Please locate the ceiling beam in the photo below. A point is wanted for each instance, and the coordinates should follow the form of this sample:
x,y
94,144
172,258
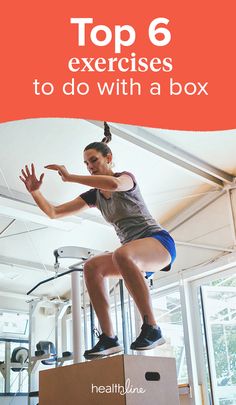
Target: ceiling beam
x,y
193,209
204,246
154,144
11,235
12,221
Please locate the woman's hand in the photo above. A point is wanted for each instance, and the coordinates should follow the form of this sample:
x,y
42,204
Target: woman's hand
x,y
62,171
30,180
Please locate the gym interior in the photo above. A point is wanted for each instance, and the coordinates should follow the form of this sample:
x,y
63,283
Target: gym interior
x,y
46,320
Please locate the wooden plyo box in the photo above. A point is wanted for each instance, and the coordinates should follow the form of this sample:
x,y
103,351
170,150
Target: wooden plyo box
x,y
117,380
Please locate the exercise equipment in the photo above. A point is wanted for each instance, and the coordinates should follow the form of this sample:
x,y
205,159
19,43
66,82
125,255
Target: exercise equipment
x,y
121,379
48,349
76,270
44,347
20,355
16,360
47,353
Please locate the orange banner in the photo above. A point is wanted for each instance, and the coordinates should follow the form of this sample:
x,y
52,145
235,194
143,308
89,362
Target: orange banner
x,y
162,64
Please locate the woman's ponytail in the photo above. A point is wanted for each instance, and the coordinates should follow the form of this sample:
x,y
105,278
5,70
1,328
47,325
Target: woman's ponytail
x,y
107,133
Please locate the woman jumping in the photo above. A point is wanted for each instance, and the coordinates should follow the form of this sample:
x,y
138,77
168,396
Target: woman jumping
x,y
145,245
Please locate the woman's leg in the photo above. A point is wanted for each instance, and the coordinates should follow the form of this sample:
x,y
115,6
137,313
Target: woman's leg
x,y
96,270
131,261
128,262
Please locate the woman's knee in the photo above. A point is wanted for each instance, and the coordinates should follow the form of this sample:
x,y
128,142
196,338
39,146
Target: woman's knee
x,y
122,258
91,270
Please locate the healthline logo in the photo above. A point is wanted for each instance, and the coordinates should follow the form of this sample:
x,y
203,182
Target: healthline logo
x,y
114,388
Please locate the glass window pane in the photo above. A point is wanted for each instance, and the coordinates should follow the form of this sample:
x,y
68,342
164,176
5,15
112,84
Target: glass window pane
x,y
219,307
168,314
169,317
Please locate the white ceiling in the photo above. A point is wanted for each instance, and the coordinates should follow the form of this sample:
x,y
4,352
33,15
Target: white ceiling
x,y
216,148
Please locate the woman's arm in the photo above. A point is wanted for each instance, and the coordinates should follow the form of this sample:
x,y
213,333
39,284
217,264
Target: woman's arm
x,y
33,184
102,182
75,206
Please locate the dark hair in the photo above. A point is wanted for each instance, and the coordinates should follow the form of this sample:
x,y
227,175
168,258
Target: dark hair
x,y
102,146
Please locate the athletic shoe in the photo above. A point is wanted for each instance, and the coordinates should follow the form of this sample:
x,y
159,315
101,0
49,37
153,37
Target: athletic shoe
x,y
104,347
149,338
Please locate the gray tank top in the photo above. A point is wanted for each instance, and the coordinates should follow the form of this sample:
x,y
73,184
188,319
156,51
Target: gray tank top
x,y
125,210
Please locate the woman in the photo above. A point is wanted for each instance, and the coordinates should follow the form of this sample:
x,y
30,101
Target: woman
x,y
145,246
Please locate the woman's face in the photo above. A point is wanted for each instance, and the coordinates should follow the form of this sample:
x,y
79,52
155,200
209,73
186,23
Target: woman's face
x,y
97,163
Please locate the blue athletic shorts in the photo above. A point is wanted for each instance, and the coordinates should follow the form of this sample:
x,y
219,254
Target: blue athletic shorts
x,y
168,242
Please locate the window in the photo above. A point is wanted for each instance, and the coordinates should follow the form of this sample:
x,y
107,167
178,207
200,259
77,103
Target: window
x,y
218,314
13,324
167,309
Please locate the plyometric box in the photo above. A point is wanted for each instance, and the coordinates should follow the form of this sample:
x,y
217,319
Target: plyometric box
x,y
117,380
